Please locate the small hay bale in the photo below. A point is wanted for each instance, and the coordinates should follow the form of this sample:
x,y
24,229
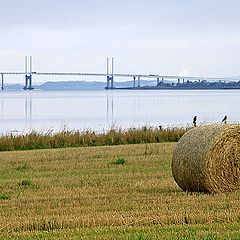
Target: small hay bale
x,y
207,159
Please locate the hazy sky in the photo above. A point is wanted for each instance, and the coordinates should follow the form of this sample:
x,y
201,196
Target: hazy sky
x,y
195,37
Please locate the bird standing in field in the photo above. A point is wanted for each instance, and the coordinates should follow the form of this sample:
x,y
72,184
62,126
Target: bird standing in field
x,y
195,121
224,119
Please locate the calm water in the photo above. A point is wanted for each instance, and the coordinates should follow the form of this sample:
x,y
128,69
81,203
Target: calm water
x,y
99,110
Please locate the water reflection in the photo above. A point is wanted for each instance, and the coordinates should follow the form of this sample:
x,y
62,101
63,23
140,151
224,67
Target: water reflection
x,y
110,110
99,110
2,108
28,110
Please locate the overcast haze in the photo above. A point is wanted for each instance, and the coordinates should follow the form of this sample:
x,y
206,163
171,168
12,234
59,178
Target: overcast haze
x,y
190,37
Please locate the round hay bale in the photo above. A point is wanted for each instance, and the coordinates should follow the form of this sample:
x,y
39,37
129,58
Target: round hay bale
x,y
207,159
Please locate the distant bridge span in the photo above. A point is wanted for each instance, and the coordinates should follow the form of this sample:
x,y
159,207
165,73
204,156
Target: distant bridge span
x,y
122,75
110,76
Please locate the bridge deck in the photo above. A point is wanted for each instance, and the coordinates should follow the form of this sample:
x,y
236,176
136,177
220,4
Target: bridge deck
x,y
150,76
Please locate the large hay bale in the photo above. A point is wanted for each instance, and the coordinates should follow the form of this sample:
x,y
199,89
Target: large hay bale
x,y
207,159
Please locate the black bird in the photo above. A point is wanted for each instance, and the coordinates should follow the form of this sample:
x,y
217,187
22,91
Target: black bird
x,y
195,121
225,119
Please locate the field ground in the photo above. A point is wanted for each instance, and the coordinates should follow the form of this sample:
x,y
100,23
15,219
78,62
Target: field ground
x,y
110,192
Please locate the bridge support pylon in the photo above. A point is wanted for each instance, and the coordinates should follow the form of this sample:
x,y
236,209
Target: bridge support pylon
x,y
28,75
110,84
2,86
139,85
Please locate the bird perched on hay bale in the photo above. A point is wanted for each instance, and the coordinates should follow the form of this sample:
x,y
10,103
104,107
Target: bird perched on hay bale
x,y
207,159
225,119
195,121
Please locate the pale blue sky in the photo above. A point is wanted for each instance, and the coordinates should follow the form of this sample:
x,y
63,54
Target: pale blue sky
x,y
195,37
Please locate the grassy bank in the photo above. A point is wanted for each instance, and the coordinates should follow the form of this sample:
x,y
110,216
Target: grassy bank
x,y
109,192
35,140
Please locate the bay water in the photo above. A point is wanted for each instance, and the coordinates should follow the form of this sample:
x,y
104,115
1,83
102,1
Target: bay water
x,y
43,111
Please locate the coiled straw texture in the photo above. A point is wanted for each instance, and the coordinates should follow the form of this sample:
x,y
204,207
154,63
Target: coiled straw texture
x,y
207,159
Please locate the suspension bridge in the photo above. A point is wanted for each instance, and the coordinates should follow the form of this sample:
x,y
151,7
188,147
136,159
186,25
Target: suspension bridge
x,y
109,75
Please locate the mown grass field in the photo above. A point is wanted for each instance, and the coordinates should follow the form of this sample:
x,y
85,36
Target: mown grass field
x,y
107,192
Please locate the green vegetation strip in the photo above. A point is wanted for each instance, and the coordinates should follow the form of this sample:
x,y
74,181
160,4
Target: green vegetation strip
x,y
36,140
108,192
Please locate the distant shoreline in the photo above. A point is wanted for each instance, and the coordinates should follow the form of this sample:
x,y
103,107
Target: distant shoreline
x,y
127,85
156,88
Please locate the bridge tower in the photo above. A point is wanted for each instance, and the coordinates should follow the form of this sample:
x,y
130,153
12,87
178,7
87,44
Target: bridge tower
x,y
139,82
2,86
28,75
134,81
110,75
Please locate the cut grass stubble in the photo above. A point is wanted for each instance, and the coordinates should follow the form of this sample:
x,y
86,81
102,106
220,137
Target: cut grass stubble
x,y
82,193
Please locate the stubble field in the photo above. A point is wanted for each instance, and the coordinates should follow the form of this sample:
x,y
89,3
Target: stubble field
x,y
109,192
